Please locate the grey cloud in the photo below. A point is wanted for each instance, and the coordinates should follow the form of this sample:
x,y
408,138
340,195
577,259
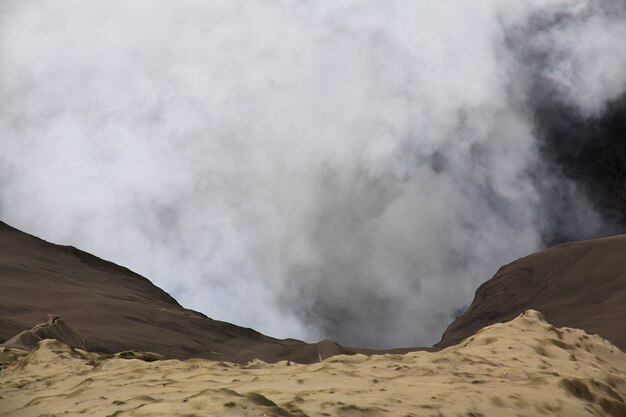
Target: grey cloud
x,y
349,170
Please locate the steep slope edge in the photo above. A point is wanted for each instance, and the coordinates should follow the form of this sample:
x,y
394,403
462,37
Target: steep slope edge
x,y
116,309
580,284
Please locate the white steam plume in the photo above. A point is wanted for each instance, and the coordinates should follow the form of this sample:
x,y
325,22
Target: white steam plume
x,y
345,169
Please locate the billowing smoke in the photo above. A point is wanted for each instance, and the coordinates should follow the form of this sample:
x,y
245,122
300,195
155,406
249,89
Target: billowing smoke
x,y
349,169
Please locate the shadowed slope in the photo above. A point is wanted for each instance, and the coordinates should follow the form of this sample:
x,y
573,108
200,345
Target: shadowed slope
x,y
580,284
116,309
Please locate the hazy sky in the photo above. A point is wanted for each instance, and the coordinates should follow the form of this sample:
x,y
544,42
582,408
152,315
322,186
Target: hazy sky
x,y
313,169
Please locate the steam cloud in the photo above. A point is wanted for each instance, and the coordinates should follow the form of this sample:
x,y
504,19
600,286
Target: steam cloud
x,y
349,170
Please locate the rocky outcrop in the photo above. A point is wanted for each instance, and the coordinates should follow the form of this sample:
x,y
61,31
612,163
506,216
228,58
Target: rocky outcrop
x,y
53,328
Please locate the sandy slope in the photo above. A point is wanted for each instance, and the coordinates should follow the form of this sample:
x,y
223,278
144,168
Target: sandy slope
x,y
116,309
522,368
578,284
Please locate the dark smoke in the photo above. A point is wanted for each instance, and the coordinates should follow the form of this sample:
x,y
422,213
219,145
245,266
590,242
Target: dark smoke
x,y
581,140
591,152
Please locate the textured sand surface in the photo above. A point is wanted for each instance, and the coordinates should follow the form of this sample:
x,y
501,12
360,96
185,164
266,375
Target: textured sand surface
x,y
522,368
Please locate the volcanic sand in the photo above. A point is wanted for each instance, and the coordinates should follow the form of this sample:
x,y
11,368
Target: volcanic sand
x,y
525,367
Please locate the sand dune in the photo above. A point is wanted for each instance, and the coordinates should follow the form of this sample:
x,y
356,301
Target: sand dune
x,y
525,367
